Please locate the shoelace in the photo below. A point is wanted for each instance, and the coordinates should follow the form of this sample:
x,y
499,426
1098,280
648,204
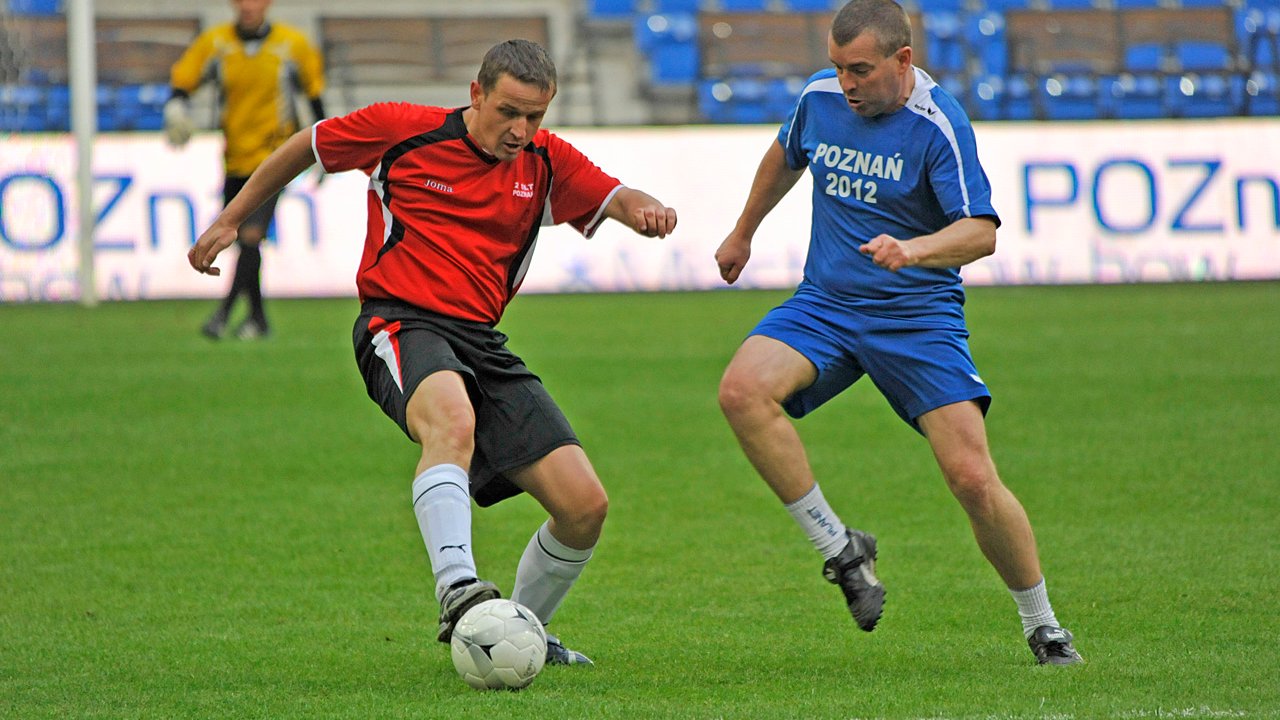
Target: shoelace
x,y
1058,649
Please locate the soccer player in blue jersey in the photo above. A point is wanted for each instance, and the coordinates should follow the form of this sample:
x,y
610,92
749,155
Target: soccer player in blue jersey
x,y
900,203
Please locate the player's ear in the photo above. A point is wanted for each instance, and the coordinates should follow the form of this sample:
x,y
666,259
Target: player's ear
x,y
477,94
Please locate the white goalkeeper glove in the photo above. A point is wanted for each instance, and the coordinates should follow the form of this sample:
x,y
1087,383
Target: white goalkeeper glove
x,y
178,126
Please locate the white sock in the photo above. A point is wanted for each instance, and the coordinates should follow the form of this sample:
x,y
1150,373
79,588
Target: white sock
x,y
546,571
1034,608
443,507
820,523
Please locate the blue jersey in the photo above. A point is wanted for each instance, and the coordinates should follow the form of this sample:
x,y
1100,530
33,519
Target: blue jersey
x,y
907,173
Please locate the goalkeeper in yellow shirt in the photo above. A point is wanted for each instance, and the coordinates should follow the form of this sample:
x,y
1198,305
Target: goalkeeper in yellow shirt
x,y
260,68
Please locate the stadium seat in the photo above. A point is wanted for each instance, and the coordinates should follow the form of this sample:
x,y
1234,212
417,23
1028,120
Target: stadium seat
x,y
58,112
944,42
942,6
744,5
35,7
1070,97
1145,58
1262,94
738,100
1258,32
985,36
997,97
808,5
611,9
1072,4
677,6
1193,95
670,43
781,97
1001,6
23,108
1133,96
1203,56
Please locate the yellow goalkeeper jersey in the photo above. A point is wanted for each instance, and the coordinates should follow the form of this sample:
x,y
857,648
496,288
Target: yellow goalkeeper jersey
x,y
258,80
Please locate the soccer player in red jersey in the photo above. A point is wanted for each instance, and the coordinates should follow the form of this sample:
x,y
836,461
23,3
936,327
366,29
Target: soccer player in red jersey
x,y
455,200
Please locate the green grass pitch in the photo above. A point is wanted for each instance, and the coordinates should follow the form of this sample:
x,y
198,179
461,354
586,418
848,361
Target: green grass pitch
x,y
201,530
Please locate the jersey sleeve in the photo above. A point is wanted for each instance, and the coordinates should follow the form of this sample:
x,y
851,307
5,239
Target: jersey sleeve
x,y
357,140
188,72
957,178
579,189
310,67
791,135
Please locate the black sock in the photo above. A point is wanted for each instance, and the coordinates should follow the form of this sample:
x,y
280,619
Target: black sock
x,y
248,279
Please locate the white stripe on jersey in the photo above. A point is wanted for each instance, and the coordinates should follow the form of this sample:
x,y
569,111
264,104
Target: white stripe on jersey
x,y
828,85
921,103
380,189
385,349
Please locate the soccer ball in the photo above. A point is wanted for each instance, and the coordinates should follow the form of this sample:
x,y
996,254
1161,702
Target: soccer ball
x,y
499,644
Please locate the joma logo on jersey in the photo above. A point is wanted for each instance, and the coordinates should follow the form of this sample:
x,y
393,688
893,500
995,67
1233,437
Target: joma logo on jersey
x,y
522,190
437,185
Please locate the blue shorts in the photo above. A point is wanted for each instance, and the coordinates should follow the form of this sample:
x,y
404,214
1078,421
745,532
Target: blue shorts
x,y
918,363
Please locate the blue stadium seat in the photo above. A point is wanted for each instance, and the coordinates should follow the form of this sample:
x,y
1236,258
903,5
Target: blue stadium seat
x,y
58,113
677,6
670,43
1003,5
1145,58
996,97
611,9
782,96
1072,4
123,108
1071,97
942,6
35,7
111,117
152,98
985,36
1134,96
744,5
944,42
1262,94
808,5
1206,95
736,100
23,108
1202,56
1131,4
1258,32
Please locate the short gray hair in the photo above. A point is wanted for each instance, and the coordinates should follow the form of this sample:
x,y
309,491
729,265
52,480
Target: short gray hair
x,y
883,18
524,60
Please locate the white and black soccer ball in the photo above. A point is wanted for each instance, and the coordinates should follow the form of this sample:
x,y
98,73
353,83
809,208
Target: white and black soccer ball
x,y
499,644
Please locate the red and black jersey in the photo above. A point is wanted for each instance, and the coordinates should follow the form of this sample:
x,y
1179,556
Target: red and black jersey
x,y
451,228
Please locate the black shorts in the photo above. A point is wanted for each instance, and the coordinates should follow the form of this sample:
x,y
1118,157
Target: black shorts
x,y
398,345
258,218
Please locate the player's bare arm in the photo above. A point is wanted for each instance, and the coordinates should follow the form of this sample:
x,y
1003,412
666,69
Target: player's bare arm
x,y
282,166
772,182
641,212
958,244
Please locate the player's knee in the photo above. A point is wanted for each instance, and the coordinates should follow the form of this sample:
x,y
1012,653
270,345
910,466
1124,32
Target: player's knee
x,y
738,396
973,484
594,508
583,518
